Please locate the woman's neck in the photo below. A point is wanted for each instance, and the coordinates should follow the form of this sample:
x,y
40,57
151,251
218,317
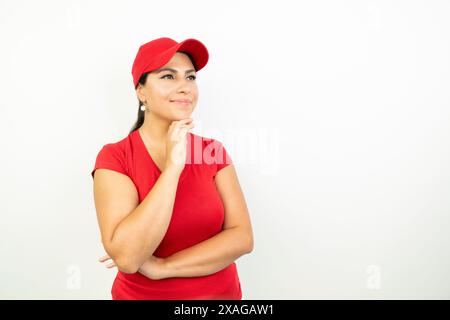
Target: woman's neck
x,y
154,129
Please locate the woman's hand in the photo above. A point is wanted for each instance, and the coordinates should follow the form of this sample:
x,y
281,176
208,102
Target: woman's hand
x,y
110,265
153,267
176,143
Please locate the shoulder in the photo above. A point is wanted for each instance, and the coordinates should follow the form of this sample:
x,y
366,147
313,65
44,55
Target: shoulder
x,y
113,156
116,148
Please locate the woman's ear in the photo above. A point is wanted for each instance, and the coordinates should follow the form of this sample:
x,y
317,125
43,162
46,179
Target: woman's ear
x,y
139,93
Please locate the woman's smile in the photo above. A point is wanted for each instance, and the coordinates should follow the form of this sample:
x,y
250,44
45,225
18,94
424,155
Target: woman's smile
x,y
183,103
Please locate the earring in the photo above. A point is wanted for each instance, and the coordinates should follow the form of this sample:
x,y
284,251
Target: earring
x,y
143,107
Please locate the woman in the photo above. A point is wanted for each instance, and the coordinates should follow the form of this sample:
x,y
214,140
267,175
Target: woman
x,y
172,215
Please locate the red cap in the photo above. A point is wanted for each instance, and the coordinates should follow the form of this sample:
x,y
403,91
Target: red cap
x,y
156,53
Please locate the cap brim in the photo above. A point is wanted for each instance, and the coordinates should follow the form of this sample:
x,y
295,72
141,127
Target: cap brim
x,y
197,50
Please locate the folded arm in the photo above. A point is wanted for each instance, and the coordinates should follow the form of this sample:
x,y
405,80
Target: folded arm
x,y
207,257
218,252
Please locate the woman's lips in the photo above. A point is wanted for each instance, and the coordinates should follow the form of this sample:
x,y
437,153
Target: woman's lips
x,y
183,103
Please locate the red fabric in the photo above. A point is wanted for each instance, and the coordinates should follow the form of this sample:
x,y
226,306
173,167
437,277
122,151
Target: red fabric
x,y
198,214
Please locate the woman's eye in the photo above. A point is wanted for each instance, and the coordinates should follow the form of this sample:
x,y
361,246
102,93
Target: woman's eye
x,y
169,75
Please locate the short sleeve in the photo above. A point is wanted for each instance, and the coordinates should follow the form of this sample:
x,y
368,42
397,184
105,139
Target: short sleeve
x,y
110,157
222,157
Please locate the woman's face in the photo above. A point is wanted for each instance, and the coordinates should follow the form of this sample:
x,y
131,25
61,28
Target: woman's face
x,y
164,86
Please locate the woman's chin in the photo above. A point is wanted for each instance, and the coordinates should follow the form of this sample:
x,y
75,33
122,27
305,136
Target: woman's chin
x,y
182,114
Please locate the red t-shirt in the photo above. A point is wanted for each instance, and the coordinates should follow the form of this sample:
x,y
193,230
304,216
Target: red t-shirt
x,y
198,214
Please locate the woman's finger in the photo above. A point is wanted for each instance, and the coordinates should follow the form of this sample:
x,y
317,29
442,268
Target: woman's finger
x,y
110,265
181,122
104,258
184,128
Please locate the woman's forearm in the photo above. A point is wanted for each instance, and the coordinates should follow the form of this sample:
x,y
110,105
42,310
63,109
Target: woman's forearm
x,y
209,256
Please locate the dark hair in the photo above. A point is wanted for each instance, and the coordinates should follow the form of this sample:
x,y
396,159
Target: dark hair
x,y
141,114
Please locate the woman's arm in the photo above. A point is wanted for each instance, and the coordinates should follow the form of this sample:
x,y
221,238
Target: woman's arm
x,y
207,257
202,259
218,252
131,232
129,235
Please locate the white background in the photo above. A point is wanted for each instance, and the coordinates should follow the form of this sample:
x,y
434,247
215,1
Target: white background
x,y
336,114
